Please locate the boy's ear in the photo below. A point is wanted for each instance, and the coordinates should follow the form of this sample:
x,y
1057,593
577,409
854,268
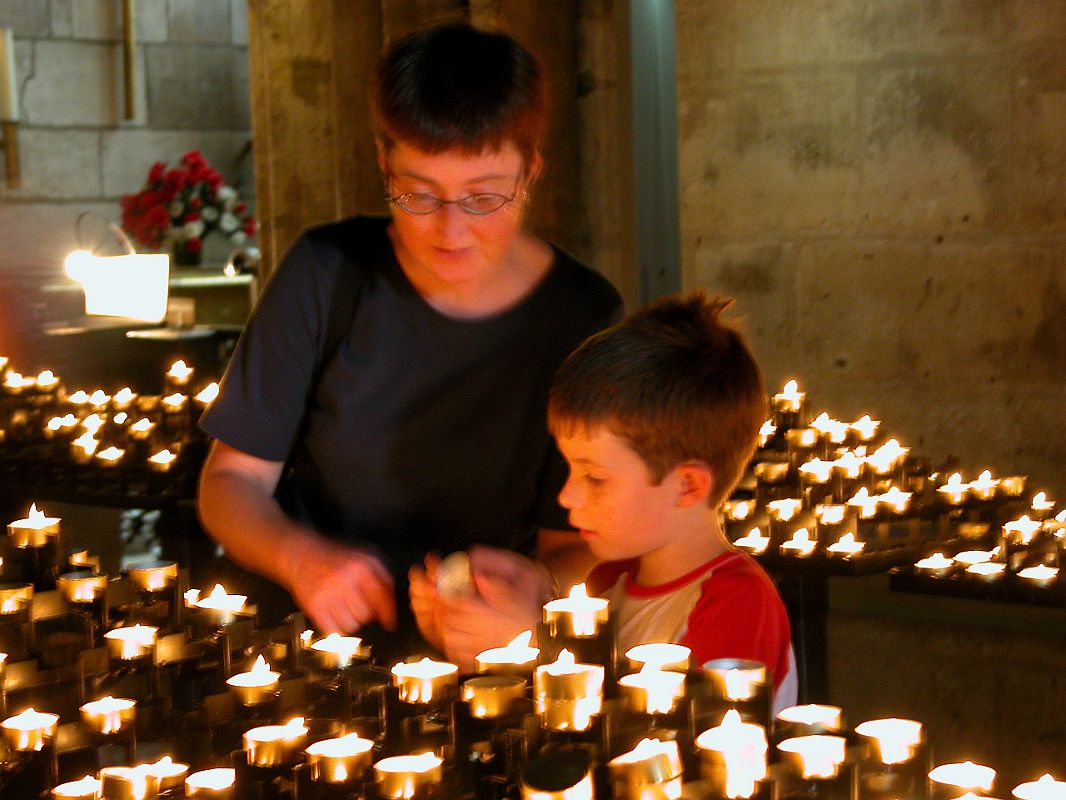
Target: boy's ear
x,y
695,481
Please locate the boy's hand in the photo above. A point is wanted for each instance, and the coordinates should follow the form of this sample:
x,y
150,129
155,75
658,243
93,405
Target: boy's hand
x,y
425,603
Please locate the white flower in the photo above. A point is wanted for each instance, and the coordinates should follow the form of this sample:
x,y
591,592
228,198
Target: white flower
x,y
228,223
193,229
209,214
176,209
238,238
227,195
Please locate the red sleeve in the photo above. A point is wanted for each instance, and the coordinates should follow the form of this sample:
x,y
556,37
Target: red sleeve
x,y
740,615
605,575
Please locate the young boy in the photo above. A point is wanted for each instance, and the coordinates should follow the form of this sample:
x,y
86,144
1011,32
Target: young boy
x,y
657,418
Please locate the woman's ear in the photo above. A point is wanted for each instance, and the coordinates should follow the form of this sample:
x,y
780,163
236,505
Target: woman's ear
x,y
536,164
695,481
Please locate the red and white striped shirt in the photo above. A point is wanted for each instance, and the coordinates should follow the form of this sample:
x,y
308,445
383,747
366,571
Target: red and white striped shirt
x,y
726,608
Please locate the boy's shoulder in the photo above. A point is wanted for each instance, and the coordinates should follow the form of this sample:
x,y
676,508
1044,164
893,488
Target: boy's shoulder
x,y
606,574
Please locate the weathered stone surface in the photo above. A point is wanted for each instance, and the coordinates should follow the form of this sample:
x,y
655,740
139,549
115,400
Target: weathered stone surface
x,y
770,152
127,155
63,164
74,83
28,18
200,22
197,86
39,235
62,15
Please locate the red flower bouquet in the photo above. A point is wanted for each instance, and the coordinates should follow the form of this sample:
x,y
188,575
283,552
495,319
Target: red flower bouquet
x,y
178,207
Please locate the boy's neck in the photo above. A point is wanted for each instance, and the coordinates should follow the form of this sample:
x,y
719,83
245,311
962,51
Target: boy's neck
x,y
694,545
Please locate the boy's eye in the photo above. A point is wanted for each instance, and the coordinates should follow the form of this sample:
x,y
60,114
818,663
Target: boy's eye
x,y
593,479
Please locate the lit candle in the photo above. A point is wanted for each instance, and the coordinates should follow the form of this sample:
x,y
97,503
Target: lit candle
x,y
817,756
175,403
30,730
179,373
801,543
754,541
850,465
99,399
984,487
737,510
88,788
425,680
141,429
568,694
492,696
577,615
517,658
767,430
110,456
660,655
846,546
808,719
736,678
81,587
886,457
896,499
338,652
652,690
966,776
211,784
734,754
123,398
256,686
46,381
801,438
816,470
1021,531
937,565
109,714
832,429
168,773
771,472
128,783
784,510
986,570
162,461
80,558
970,557
339,760
650,771
275,745
955,491
15,597
224,607
1013,485
133,642
1041,506
790,398
64,424
1044,788
155,576
403,776
207,395
1040,575
865,427
34,530
864,502
82,448
14,382
895,739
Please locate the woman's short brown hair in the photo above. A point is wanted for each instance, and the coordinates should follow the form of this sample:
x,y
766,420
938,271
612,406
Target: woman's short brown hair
x,y
673,380
456,86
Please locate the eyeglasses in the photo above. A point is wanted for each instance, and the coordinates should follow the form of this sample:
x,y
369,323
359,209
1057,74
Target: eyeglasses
x,y
478,204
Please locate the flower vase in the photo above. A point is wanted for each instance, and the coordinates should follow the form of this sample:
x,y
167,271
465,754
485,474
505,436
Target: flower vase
x,y
182,257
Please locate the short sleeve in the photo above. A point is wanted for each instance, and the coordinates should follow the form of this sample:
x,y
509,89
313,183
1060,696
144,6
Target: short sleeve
x,y
264,393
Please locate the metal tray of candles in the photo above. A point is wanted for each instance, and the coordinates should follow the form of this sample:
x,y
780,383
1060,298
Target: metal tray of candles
x,y
1006,588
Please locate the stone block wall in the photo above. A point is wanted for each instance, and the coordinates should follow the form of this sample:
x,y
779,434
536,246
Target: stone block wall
x,y
77,151
882,187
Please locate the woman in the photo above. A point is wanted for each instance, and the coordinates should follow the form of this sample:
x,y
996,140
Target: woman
x,y
423,429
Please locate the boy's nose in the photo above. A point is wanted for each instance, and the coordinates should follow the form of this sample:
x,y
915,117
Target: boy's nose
x,y
567,495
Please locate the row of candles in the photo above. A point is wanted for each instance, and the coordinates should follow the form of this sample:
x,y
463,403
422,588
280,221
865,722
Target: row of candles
x,y
825,488
102,429
570,696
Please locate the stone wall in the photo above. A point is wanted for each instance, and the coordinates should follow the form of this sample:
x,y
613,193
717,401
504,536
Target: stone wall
x,y
882,187
77,151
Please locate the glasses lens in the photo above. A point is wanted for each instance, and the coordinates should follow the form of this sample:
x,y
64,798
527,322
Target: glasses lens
x,y
484,203
419,203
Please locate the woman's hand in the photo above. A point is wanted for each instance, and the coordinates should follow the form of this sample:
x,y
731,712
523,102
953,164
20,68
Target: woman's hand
x,y
341,588
425,601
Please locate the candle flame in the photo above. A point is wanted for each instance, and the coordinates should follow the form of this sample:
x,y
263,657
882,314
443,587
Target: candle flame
x,y
164,456
743,746
207,394
784,510
214,779
143,425
820,756
966,775
110,454
174,401
753,541
812,714
179,370
896,738
1044,788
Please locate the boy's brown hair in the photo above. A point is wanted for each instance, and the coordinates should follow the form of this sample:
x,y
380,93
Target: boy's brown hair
x,y
673,380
